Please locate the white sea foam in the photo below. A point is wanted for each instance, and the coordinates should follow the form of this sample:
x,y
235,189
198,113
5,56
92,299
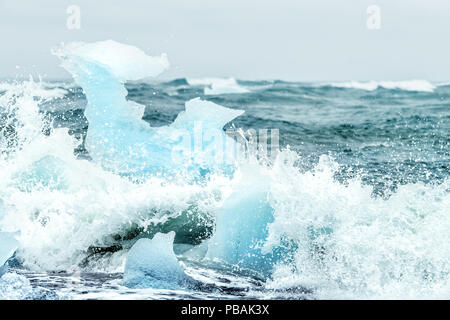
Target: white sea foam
x,y
15,287
113,55
408,85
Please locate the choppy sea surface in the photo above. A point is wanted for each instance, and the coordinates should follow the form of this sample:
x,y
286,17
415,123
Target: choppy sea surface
x,y
360,190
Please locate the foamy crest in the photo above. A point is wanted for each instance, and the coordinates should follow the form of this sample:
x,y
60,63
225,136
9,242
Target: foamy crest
x,y
409,85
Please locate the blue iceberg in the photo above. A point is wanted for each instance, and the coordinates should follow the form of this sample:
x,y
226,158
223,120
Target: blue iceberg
x,y
119,139
151,263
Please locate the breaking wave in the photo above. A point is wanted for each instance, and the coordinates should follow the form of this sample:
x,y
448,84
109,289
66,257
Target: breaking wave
x,y
408,85
295,228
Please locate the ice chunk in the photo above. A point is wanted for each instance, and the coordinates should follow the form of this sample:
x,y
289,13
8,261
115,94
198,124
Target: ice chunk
x,y
8,245
242,225
15,287
151,263
117,137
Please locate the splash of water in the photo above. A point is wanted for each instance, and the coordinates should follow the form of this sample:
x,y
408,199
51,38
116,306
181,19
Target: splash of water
x,y
312,231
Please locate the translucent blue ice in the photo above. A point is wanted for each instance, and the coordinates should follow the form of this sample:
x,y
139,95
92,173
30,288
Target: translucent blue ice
x,y
8,245
118,138
242,226
194,144
151,263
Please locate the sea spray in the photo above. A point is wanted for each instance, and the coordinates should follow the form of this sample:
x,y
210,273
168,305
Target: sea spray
x,y
118,138
343,240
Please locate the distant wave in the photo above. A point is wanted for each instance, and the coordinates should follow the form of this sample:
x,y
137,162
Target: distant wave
x,y
218,85
408,85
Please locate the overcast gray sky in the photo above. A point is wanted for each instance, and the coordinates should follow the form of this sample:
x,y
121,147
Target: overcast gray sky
x,y
248,39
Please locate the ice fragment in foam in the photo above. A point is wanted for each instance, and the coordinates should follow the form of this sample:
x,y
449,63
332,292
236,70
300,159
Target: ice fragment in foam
x,y
152,263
